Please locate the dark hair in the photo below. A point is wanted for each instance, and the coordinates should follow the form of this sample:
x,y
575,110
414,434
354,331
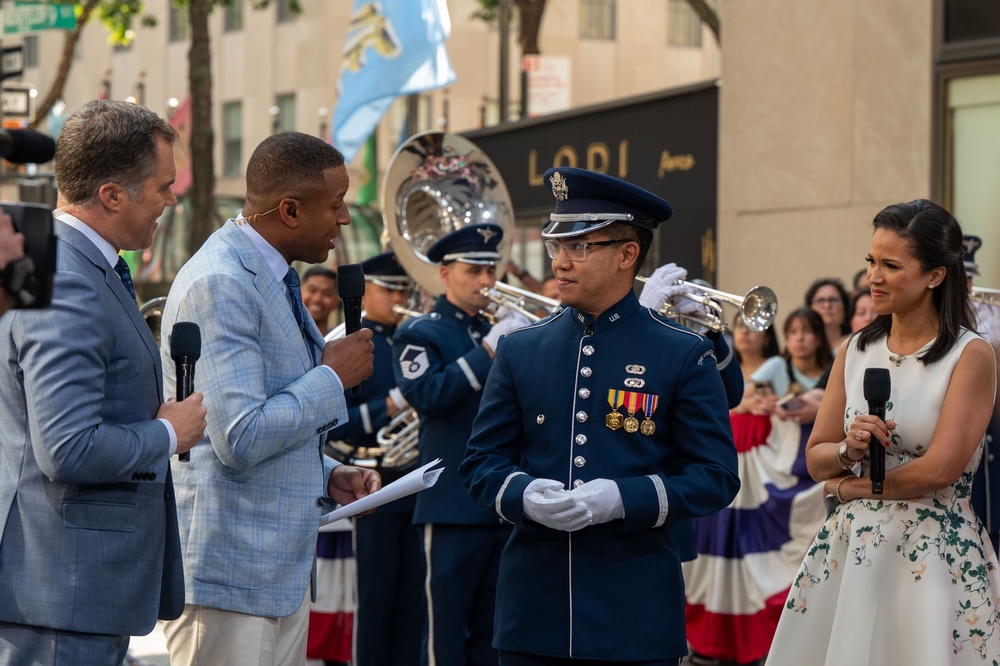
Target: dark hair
x,y
629,232
815,322
855,297
935,239
771,347
857,276
320,271
845,325
108,141
288,164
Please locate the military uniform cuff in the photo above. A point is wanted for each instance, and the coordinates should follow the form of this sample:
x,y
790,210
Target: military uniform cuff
x,y
645,501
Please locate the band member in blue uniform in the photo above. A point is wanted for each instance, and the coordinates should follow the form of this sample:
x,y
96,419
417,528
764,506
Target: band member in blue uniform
x,y
386,544
442,360
600,428
986,486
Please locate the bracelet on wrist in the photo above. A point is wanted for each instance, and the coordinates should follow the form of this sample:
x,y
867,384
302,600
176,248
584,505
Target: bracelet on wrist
x,y
836,490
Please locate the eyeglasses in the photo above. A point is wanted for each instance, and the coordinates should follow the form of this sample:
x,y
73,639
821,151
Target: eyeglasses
x,y
826,301
575,251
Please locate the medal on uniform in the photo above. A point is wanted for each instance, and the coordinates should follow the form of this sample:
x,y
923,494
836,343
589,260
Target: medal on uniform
x,y
649,403
631,405
614,419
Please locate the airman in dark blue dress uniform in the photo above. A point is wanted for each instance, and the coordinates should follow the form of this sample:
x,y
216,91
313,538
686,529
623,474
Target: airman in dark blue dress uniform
x,y
986,485
600,428
386,544
441,366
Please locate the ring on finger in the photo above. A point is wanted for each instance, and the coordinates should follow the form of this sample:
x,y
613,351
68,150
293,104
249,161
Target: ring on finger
x,y
858,436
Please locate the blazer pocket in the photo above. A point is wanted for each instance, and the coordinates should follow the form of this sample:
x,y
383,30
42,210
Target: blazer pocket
x,y
234,534
99,516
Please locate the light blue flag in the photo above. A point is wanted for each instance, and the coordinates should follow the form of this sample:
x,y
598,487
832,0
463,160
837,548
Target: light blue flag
x,y
394,47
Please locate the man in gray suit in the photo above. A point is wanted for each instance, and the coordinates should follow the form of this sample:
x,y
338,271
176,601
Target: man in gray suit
x,y
89,549
250,499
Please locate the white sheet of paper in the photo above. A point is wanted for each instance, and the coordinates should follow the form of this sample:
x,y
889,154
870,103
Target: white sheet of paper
x,y
419,479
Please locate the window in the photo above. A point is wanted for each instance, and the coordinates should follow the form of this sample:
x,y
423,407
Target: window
x,y
683,25
31,51
284,120
967,21
232,138
232,18
180,24
285,13
597,19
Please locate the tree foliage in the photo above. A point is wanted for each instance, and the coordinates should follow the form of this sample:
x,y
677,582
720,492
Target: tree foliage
x,y
530,13
118,18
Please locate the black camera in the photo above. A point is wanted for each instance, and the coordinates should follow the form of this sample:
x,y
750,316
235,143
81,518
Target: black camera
x,y
29,279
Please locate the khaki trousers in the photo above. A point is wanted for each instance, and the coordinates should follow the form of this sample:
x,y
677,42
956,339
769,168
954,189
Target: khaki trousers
x,y
204,636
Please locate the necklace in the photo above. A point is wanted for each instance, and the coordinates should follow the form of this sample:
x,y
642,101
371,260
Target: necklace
x,y
897,359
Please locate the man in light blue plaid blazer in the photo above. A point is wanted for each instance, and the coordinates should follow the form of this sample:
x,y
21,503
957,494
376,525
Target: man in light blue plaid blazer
x,y
250,498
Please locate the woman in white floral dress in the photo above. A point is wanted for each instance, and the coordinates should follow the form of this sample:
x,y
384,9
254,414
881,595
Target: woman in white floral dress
x,y
905,577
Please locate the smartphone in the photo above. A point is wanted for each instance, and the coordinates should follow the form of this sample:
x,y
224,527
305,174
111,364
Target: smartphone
x,y
790,403
764,389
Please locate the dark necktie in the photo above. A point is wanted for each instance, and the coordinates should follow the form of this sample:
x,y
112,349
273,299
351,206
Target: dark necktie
x,y
126,275
292,282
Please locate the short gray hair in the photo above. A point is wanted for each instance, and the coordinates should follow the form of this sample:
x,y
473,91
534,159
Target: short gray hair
x,y
108,141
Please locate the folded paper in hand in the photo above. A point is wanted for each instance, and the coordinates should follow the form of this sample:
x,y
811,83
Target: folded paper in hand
x,y
419,479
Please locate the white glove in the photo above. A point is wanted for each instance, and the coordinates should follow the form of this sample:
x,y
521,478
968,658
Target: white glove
x,y
660,287
603,499
513,321
545,502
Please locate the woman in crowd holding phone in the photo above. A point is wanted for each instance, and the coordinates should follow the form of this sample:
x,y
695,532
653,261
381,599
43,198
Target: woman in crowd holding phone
x,y
748,552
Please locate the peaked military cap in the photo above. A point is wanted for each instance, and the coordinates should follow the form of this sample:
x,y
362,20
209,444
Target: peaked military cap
x,y
587,201
472,244
970,244
386,271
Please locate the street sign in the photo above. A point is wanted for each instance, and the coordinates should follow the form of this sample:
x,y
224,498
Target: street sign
x,y
14,103
11,62
36,17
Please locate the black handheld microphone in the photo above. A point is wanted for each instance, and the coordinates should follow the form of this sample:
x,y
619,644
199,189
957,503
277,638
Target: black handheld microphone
x,y
351,287
26,146
877,383
185,348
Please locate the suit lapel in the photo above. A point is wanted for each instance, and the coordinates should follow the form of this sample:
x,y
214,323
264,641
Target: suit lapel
x,y
85,247
272,293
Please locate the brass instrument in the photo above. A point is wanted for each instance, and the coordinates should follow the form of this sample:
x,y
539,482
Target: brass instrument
x,y
403,311
436,183
152,314
520,300
986,296
758,307
397,445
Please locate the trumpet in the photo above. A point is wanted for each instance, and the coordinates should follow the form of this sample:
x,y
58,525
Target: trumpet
x,y
986,296
758,307
520,300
